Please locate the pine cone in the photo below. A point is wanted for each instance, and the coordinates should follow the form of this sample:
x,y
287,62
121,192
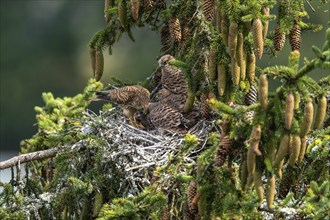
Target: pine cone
x,y
306,125
249,116
107,4
232,39
224,28
187,215
297,189
184,33
135,7
175,29
251,67
148,5
122,14
99,65
285,184
265,11
235,72
243,173
221,70
191,193
223,151
165,37
205,109
218,17
289,111
279,38
92,54
212,63
263,91
270,191
252,96
320,112
208,9
241,55
165,215
294,150
258,40
295,37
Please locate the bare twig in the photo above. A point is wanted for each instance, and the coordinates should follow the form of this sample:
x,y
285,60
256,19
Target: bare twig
x,y
38,155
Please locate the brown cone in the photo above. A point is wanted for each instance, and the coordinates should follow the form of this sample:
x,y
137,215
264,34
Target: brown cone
x,y
265,11
279,38
148,5
295,37
92,54
122,14
107,4
165,37
224,28
212,63
175,29
285,184
191,194
252,96
258,41
205,109
223,151
135,7
208,9
251,67
99,65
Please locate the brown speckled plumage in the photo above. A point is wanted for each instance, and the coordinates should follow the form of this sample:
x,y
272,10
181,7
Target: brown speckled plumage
x,y
165,118
175,101
130,98
172,77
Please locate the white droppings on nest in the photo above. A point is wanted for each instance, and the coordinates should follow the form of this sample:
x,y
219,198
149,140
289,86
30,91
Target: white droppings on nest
x,y
135,153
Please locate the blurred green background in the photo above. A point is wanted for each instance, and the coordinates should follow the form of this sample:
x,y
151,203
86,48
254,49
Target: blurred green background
x,y
44,48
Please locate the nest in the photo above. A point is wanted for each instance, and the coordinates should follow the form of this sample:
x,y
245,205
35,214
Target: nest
x,y
136,152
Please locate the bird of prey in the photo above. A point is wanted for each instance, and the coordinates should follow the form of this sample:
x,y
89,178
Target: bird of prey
x,y
172,77
175,101
130,98
165,118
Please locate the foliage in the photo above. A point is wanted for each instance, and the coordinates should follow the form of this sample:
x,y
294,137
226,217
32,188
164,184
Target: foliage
x,y
58,118
111,170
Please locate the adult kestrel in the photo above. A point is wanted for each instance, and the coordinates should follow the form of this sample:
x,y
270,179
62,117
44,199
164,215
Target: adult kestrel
x,y
130,98
172,77
165,118
175,101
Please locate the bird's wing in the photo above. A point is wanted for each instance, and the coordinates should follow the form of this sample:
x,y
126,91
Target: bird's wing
x,y
163,116
125,95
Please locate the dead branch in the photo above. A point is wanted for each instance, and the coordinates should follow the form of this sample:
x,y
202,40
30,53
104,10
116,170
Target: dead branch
x,y
38,155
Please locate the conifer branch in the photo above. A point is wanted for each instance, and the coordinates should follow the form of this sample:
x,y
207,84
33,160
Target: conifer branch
x,y
306,69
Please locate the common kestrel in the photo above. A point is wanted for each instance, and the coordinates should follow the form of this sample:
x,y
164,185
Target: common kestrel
x,y
172,77
165,118
175,101
130,98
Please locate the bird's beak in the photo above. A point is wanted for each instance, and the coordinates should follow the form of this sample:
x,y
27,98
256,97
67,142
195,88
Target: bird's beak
x,y
160,63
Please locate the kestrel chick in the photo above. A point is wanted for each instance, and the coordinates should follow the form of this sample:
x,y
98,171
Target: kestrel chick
x,y
175,101
165,118
130,98
172,77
